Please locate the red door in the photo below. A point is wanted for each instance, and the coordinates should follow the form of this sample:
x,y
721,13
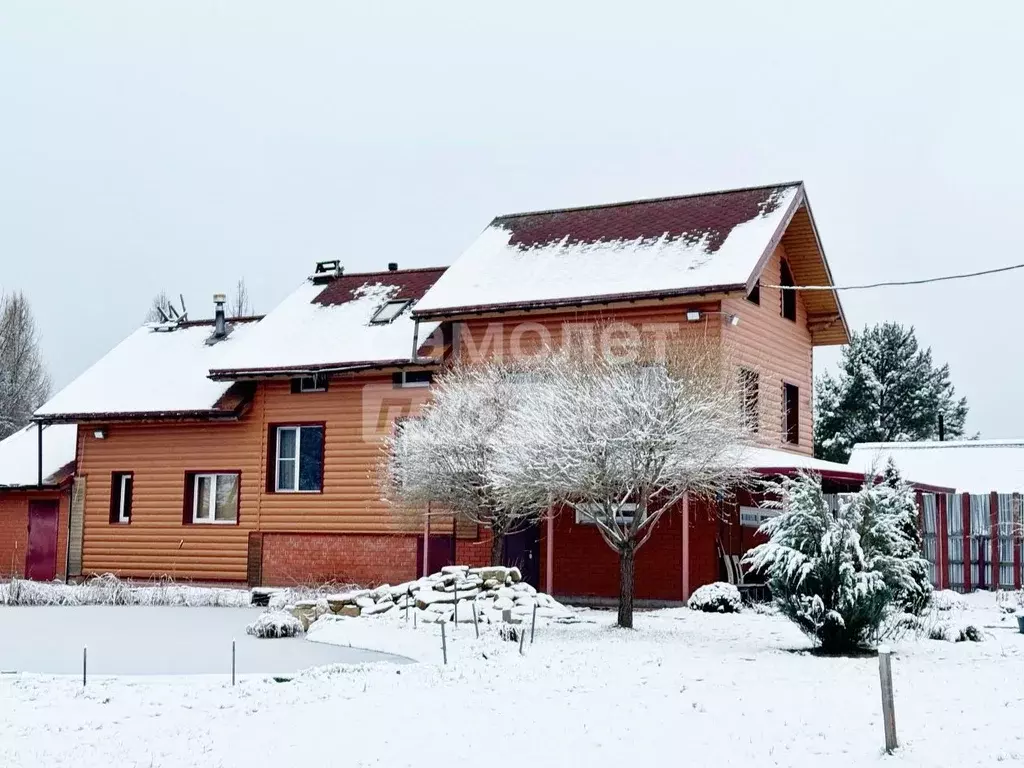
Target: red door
x,y
41,557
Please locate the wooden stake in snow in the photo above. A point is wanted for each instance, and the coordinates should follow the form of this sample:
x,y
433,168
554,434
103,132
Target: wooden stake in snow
x,y
85,660
476,626
232,661
533,623
888,707
522,637
408,599
455,626
444,643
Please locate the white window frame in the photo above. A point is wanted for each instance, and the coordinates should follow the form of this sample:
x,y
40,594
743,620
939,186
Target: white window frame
x,y
121,516
405,383
298,454
383,317
628,508
319,382
212,520
753,517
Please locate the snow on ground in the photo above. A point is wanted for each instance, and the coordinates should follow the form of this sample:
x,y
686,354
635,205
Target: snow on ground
x,y
696,688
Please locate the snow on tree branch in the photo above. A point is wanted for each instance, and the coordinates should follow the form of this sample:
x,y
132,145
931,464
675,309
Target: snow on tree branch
x,y
24,382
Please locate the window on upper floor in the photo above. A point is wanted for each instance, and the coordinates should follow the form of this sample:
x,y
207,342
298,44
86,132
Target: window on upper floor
x,y
298,458
408,379
788,296
121,497
754,297
791,414
750,382
315,382
211,498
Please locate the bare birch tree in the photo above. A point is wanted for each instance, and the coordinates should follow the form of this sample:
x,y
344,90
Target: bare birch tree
x,y
24,382
158,312
442,458
240,305
620,442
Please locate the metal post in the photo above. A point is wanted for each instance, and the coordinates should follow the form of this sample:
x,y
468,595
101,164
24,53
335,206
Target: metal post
x,y
888,708
408,599
85,662
455,586
232,661
444,644
39,450
522,638
476,626
533,622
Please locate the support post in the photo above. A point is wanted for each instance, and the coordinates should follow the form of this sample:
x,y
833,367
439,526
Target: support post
x,y
455,587
1016,541
232,662
686,547
965,517
888,707
426,543
993,523
85,662
444,643
476,626
39,457
533,623
549,554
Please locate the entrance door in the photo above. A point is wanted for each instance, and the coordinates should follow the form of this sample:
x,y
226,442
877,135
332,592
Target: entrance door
x,y
41,557
522,549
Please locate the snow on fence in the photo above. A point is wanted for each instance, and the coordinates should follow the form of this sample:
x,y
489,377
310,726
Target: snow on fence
x,y
972,541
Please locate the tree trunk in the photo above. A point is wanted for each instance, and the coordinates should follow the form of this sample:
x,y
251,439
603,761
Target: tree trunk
x,y
627,561
497,547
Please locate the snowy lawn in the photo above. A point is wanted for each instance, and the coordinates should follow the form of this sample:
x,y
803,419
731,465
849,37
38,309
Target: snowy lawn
x,y
684,687
150,640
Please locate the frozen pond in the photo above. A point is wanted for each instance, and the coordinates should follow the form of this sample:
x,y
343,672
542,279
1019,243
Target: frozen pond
x,y
144,640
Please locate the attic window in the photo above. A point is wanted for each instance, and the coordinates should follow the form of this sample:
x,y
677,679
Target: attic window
x,y
788,296
406,379
316,382
389,311
754,297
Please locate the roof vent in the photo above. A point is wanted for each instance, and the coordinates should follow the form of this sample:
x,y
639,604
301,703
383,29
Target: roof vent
x,y
325,270
392,266
220,326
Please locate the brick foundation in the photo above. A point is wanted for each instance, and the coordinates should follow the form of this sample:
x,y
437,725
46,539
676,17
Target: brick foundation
x,y
316,558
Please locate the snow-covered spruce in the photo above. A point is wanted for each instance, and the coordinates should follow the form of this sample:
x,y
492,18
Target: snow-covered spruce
x,y
441,597
843,576
718,597
275,624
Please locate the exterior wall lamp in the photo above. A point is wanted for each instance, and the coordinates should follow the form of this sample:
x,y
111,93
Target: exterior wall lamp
x,y
695,315
100,433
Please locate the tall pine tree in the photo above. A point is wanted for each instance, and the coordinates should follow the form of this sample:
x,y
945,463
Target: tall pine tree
x,y
887,390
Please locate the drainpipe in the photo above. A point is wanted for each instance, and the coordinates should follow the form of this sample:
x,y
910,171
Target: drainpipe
x,y
416,341
39,446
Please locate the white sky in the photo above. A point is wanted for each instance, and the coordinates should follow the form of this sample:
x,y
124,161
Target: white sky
x,y
181,145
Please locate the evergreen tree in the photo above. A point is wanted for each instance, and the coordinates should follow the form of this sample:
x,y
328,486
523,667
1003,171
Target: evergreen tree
x,y
887,390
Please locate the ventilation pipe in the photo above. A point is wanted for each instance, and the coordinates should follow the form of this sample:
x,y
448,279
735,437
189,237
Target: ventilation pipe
x,y
220,328
392,266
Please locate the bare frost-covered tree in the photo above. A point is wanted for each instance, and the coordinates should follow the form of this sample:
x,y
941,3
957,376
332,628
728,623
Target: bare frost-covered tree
x,y
620,442
240,305
158,308
24,382
442,459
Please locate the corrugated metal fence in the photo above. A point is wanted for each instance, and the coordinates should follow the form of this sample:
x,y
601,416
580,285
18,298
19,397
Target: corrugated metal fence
x,y
972,541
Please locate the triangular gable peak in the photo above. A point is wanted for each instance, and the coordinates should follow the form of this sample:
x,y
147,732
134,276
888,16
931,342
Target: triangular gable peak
x,y
709,243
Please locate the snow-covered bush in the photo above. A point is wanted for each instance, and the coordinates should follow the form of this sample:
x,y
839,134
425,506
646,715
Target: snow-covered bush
x,y
841,576
718,597
110,590
274,624
948,600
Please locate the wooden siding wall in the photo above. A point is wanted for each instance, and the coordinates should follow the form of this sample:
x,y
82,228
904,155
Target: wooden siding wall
x,y
779,350
14,528
355,412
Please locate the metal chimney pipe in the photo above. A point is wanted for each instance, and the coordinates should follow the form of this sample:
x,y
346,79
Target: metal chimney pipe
x,y
392,266
220,328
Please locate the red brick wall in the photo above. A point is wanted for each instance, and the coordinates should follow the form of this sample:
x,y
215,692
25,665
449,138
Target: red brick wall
x,y
14,529
315,558
475,553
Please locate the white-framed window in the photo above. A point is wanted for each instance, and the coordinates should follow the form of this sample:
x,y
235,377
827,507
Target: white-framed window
x,y
316,382
753,517
389,311
215,497
121,497
412,379
299,459
586,512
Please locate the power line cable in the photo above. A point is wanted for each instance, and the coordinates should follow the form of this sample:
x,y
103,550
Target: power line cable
x,y
893,283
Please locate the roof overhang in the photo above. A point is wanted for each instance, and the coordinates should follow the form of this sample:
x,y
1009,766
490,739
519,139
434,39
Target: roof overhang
x,y
843,477
244,374
141,416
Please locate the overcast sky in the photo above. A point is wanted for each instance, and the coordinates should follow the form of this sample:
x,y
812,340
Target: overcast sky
x,y
179,146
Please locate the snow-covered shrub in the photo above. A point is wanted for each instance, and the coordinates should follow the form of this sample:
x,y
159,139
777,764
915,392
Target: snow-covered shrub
x,y
718,597
274,624
948,600
970,633
1008,601
841,576
107,589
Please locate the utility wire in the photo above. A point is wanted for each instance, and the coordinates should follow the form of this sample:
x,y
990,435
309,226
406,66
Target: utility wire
x,y
893,283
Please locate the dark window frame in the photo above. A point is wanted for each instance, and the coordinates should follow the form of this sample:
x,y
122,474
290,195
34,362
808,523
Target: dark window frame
x,y
117,507
790,413
380,317
189,498
313,382
412,379
788,296
273,447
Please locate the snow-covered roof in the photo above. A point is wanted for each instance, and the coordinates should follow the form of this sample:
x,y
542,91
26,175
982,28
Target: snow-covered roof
x,y
152,372
19,455
329,325
664,247
972,466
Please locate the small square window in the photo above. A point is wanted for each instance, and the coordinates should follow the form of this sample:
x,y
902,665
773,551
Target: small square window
x,y
299,459
316,382
389,311
121,497
214,497
412,378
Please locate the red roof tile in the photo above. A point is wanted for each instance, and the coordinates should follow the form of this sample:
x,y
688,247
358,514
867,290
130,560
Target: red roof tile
x,y
411,284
